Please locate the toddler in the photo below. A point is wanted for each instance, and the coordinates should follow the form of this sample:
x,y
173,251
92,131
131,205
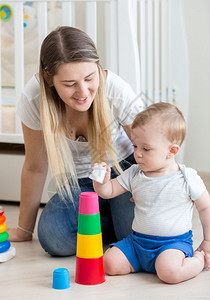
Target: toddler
x,y
164,193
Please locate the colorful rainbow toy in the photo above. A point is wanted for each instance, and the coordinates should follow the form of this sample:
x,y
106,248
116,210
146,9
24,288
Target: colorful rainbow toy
x,y
5,12
89,255
6,251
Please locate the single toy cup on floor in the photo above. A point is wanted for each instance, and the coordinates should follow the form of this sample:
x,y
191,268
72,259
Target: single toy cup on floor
x,y
6,251
89,256
61,279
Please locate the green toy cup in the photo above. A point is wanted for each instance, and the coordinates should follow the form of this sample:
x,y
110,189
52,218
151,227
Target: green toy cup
x,y
89,224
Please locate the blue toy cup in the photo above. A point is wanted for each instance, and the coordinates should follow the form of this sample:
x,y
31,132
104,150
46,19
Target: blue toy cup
x,y
61,279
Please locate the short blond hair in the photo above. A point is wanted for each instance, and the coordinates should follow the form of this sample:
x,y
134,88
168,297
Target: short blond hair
x,y
171,118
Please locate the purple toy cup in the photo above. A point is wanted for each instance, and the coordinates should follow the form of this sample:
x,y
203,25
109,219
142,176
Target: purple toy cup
x,y
88,203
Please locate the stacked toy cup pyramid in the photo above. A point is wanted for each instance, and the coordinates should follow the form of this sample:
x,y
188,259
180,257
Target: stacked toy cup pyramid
x,y
6,251
89,255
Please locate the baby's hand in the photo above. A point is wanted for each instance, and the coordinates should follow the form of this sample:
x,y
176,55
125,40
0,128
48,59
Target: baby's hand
x,y
100,173
205,247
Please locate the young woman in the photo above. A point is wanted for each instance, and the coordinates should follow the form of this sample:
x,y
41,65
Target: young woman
x,y
73,114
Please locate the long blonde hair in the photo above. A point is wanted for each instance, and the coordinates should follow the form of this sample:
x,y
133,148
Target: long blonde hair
x,y
63,45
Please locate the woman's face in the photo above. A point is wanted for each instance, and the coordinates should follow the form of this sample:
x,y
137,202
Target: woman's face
x,y
77,83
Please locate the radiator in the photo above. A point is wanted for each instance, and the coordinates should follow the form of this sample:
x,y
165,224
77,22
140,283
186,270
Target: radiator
x,y
163,51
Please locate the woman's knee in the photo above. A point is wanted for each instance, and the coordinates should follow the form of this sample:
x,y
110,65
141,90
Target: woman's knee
x,y
56,243
57,228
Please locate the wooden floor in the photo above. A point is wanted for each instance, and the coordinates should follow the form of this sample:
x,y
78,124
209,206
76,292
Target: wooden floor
x,y
29,276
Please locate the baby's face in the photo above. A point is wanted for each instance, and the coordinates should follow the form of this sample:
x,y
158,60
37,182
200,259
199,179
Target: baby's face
x,y
151,147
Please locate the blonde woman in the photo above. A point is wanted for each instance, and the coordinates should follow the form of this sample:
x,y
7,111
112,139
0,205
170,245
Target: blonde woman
x,y
73,114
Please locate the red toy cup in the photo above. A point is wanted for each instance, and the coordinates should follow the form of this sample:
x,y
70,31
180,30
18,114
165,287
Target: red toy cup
x,y
89,271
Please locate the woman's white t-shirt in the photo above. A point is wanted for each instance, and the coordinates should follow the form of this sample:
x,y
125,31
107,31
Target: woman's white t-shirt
x,y
124,106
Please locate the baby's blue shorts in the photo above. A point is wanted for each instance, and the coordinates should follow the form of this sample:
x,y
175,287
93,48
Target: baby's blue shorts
x,y
142,250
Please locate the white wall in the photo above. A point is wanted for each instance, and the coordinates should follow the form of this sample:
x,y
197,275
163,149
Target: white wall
x,y
197,21
10,176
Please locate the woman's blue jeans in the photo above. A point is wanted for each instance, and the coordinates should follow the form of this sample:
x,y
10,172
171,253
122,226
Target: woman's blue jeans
x,y
57,227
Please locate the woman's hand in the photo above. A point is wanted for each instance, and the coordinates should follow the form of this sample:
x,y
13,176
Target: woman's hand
x,y
17,235
132,200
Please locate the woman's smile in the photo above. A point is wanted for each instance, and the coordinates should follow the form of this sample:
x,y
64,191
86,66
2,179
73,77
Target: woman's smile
x,y
81,100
